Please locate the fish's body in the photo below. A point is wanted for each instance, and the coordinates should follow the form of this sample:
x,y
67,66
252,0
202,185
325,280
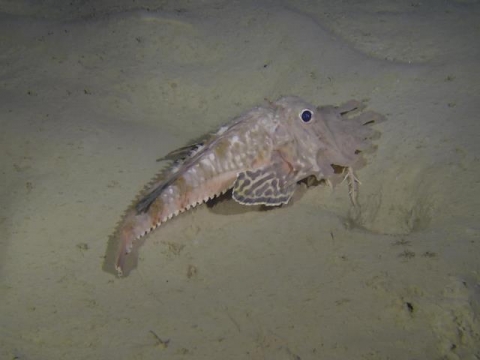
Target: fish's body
x,y
260,155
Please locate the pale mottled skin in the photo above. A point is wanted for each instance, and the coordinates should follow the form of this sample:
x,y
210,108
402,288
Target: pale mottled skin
x,y
262,155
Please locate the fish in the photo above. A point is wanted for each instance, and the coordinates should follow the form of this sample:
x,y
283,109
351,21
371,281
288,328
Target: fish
x,y
260,156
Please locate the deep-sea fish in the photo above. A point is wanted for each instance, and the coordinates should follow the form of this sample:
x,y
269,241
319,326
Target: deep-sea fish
x,y
260,156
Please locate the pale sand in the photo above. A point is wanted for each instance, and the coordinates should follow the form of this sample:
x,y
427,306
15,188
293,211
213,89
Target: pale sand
x,y
89,100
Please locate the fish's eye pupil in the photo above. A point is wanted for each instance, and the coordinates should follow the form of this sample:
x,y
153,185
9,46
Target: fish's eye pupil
x,y
306,115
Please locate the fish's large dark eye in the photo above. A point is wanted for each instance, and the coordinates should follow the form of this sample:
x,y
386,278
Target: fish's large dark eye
x,y
306,115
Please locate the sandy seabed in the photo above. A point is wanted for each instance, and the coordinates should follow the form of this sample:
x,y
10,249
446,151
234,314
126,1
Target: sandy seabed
x,y
92,93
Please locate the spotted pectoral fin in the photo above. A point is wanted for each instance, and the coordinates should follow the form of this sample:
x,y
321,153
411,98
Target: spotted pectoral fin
x,y
272,185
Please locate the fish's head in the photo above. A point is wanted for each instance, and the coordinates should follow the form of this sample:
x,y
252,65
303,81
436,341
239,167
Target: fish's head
x,y
322,140
302,120
303,126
